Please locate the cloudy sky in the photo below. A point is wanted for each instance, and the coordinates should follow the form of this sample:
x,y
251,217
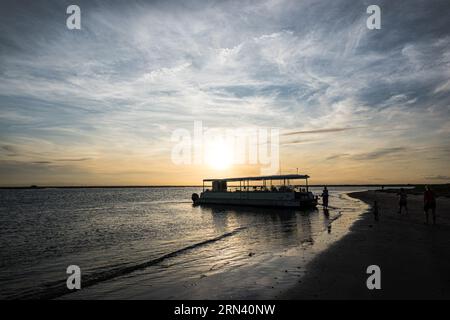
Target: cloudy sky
x,y
98,106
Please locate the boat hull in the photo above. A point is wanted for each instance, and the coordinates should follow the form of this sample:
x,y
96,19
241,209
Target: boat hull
x,y
259,199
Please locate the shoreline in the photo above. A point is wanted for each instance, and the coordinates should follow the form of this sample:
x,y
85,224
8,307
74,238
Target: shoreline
x,y
414,258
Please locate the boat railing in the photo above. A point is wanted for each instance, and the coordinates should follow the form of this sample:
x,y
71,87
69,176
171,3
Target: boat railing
x,y
293,188
266,184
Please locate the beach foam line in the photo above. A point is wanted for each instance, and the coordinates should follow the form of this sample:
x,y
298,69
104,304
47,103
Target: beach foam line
x,y
330,207
57,289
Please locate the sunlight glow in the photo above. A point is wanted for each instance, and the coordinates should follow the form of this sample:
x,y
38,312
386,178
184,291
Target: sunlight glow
x,y
219,154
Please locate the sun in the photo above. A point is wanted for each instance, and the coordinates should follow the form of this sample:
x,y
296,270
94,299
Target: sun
x,y
219,154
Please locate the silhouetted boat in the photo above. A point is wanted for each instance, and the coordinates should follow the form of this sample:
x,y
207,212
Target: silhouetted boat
x,y
266,194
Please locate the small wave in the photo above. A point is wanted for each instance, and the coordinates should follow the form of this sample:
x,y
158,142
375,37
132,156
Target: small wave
x,y
57,289
337,216
166,202
329,207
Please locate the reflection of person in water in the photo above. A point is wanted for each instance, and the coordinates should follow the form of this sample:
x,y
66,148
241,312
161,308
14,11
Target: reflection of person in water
x,y
325,197
327,216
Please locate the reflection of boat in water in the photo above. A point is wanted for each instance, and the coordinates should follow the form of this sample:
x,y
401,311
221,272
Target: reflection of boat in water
x,y
266,193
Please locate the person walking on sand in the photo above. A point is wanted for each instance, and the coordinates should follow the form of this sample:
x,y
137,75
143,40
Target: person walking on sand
x,y
429,202
376,212
403,202
325,197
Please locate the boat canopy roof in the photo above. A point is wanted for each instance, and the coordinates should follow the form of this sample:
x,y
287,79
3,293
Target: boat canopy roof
x,y
259,178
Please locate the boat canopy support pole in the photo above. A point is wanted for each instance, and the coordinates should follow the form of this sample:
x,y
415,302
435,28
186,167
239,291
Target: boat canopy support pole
x,y
307,189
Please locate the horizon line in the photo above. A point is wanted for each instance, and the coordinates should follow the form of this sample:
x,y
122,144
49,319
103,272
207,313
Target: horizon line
x,y
200,186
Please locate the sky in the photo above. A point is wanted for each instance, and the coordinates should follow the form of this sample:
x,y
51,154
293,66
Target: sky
x,y
98,106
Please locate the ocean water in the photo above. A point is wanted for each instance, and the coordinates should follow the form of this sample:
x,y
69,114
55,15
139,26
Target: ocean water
x,y
139,243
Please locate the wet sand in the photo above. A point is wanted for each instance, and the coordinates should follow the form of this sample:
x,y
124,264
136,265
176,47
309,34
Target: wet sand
x,y
414,258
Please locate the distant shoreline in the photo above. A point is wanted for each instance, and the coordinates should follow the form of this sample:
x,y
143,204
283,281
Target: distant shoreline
x,y
199,186
97,187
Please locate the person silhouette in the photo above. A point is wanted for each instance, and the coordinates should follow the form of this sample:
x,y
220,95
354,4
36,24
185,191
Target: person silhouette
x,y
376,212
325,197
429,202
403,201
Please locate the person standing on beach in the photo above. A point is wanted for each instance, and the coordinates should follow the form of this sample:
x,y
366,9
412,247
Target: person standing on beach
x,y
429,202
402,201
325,197
376,212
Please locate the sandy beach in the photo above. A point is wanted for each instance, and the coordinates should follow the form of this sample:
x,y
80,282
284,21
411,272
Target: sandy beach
x,y
414,258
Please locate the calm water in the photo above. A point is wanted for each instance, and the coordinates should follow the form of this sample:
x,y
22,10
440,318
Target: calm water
x,y
146,243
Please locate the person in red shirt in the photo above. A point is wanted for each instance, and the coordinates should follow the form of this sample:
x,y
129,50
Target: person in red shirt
x,y
429,202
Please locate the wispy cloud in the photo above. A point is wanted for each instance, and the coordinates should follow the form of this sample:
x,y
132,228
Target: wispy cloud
x,y
438,177
337,156
328,130
73,160
379,153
